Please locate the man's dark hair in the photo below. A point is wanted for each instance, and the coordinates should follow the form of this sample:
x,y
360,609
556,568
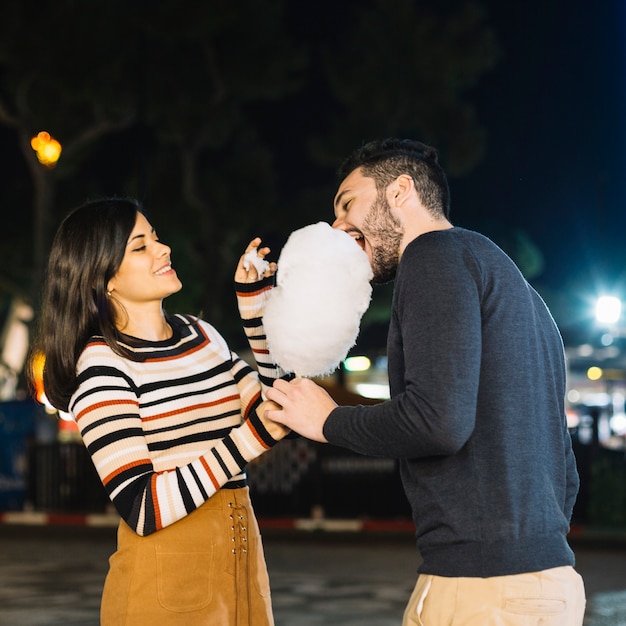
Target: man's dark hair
x,y
384,160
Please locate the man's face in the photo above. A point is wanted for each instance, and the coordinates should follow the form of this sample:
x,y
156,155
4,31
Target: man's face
x,y
366,215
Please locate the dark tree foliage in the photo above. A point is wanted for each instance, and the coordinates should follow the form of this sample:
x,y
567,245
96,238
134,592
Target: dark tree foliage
x,y
226,119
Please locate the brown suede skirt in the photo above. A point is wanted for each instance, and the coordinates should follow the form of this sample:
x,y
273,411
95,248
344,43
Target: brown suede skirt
x,y
208,568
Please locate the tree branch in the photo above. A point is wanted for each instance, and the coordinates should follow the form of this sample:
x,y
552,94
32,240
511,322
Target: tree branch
x,y
94,132
6,118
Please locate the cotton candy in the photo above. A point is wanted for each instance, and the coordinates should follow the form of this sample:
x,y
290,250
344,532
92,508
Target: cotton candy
x,y
252,259
313,315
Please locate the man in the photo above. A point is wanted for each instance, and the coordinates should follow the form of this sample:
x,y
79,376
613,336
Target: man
x,y
476,415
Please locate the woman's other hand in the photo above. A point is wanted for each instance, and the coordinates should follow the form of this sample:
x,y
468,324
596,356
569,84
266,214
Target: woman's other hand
x,y
252,265
276,430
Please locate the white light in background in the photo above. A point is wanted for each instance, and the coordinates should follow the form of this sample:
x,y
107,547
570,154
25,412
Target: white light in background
x,y
608,309
14,344
15,337
573,395
357,364
618,424
373,390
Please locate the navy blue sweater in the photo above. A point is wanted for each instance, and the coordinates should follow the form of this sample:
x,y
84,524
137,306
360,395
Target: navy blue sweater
x,y
476,415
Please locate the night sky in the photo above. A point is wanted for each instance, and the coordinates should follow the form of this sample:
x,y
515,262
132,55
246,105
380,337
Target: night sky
x,y
554,110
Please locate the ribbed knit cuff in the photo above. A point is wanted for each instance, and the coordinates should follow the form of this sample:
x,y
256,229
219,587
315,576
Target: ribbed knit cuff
x,y
252,297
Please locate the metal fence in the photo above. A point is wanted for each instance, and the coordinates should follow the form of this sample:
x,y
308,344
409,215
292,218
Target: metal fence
x,y
297,478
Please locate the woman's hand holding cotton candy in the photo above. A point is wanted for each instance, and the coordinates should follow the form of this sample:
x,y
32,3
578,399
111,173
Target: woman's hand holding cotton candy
x,y
252,265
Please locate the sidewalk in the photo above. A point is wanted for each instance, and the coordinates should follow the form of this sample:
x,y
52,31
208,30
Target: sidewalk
x,y
579,534
323,572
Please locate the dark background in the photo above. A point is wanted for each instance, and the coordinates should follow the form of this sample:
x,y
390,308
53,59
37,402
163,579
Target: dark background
x,y
229,122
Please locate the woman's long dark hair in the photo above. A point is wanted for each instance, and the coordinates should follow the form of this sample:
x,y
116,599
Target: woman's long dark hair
x,y
86,253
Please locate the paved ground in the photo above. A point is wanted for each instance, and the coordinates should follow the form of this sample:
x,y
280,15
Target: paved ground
x,y
52,576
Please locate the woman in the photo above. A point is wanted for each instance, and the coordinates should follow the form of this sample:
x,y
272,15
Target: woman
x,y
169,415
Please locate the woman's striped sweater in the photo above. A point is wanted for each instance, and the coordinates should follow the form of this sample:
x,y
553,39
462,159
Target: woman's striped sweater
x,y
167,430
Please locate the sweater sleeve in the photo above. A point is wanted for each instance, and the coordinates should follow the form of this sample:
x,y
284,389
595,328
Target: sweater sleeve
x,y
434,359
106,409
251,299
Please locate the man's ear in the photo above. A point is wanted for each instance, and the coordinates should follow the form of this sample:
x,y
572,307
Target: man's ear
x,y
399,191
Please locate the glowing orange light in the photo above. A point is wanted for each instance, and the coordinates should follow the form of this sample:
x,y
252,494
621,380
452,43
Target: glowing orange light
x,y
38,362
47,148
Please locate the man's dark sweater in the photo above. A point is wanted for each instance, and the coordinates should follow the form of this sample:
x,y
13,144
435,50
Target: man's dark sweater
x,y
476,416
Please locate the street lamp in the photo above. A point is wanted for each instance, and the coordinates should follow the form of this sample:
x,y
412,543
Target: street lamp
x,y
608,310
47,148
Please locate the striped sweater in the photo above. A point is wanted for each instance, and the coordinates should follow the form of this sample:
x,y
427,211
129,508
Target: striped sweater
x,y
167,430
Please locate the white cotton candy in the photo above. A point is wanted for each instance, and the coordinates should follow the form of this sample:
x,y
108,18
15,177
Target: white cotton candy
x,y
313,315
252,258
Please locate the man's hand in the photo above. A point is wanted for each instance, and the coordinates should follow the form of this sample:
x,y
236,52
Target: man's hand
x,y
305,407
247,268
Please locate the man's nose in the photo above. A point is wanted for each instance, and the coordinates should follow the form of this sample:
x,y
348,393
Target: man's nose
x,y
339,224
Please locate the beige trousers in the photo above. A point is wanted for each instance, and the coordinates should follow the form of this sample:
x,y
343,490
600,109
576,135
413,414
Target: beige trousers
x,y
553,597
206,569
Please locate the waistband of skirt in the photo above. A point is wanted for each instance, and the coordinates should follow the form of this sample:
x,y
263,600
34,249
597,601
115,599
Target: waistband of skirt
x,y
235,484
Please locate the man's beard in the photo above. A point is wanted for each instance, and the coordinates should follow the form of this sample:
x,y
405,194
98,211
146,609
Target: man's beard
x,y
387,232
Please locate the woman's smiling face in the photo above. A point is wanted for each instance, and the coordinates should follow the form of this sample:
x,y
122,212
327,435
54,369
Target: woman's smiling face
x,y
145,274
